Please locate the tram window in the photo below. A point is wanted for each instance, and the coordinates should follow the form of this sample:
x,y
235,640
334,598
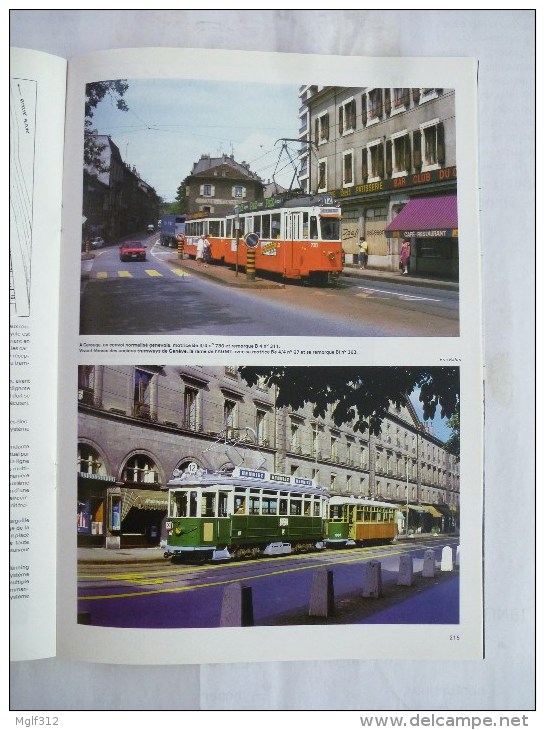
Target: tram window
x,y
192,504
254,505
379,516
208,505
316,508
229,228
336,512
265,226
269,506
313,226
214,228
178,504
295,506
222,511
275,225
240,505
306,507
283,507
305,226
359,514
330,229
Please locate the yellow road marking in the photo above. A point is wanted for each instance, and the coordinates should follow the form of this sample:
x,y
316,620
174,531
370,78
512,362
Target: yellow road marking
x,y
180,272
152,272
102,275
125,273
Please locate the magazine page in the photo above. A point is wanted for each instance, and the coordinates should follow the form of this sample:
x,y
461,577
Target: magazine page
x,y
278,332
37,95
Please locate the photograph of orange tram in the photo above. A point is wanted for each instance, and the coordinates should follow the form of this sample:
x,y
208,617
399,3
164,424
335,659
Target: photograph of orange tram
x,y
298,239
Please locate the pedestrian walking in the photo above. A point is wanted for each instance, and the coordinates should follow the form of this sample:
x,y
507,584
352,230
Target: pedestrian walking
x,y
362,253
405,256
203,251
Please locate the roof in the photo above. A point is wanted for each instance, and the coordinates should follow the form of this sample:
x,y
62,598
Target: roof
x,y
437,215
207,163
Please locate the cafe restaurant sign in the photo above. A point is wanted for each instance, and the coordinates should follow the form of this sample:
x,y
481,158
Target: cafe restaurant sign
x,y
447,174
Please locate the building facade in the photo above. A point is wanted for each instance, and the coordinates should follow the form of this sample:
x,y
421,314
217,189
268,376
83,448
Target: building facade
x,y
217,184
116,201
377,150
137,424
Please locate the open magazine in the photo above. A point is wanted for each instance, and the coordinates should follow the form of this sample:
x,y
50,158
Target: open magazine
x,y
246,369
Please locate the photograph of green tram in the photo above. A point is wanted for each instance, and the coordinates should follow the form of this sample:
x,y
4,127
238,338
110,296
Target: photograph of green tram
x,y
250,513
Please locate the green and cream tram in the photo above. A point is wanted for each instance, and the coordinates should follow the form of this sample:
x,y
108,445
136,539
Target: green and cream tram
x,y
242,514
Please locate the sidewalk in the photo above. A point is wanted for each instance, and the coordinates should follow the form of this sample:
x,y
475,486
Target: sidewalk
x,y
228,276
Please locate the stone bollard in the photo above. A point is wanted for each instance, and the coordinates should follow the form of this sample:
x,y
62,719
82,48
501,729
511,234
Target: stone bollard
x,y
405,574
446,559
457,561
237,606
372,579
428,569
322,595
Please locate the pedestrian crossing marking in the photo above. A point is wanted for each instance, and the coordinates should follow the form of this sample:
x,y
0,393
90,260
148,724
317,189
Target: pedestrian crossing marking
x,y
102,275
152,272
126,274
180,272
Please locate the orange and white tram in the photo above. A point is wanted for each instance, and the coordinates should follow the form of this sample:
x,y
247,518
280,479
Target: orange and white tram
x,y
299,238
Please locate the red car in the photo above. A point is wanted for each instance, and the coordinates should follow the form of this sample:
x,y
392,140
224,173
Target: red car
x,y
132,251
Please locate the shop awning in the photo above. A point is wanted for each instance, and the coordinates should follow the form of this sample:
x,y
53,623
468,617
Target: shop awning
x,y
435,217
142,499
432,510
414,508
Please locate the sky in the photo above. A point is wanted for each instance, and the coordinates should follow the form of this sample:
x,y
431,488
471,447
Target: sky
x,y
438,425
171,123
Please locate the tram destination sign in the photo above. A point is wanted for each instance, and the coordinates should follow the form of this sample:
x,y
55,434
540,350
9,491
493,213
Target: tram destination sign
x,y
265,476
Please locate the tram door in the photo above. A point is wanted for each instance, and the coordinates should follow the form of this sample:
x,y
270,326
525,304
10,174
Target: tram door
x,y
350,517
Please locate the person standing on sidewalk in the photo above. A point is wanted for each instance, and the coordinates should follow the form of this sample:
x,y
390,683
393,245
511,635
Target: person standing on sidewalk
x,y
362,253
405,255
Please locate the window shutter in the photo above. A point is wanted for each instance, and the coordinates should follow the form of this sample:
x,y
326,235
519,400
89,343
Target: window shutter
x,y
380,113
353,114
406,99
364,109
340,120
212,190
416,95
381,160
441,143
364,168
388,101
326,127
388,158
316,130
408,153
417,150
202,190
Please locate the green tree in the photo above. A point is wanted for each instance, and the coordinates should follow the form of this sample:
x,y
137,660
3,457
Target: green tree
x,y
181,198
360,395
453,443
94,94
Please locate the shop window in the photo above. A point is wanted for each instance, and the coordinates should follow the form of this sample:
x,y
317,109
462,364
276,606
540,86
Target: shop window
x,y
432,143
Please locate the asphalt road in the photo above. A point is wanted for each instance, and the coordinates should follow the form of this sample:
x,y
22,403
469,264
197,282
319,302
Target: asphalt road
x,y
156,595
160,296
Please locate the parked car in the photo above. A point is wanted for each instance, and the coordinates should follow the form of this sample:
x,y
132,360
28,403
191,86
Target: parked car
x,y
97,242
132,251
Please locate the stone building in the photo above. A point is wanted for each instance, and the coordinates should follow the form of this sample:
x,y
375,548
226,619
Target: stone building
x,y
116,201
383,152
137,424
217,184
